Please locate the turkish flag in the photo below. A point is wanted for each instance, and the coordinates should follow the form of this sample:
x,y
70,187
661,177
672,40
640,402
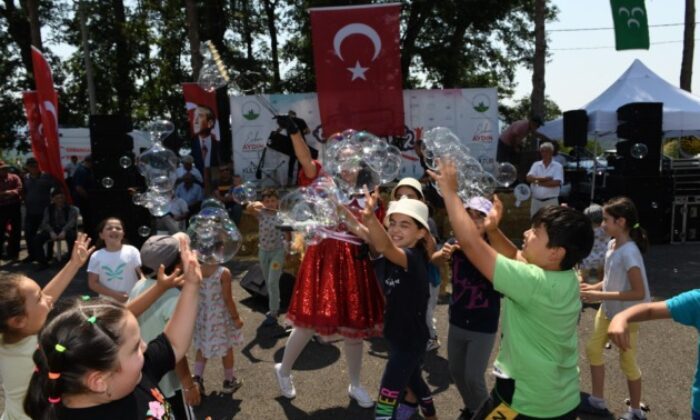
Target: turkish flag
x,y
358,68
31,109
47,101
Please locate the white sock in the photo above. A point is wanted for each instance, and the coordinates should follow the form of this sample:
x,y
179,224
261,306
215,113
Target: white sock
x,y
597,402
295,345
353,357
637,412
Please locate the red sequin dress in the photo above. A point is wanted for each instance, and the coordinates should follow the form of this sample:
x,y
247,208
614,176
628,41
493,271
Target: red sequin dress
x,y
335,292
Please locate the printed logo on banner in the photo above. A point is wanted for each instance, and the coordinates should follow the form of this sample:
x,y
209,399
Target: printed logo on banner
x,y
488,163
250,110
481,103
253,142
483,132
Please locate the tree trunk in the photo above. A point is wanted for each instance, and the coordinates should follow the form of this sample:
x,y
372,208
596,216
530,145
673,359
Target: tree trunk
x,y
451,78
416,19
270,7
537,96
34,26
124,84
193,35
89,72
18,28
688,46
247,30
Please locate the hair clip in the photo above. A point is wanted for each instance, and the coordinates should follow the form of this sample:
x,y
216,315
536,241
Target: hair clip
x,y
54,400
85,297
54,375
635,226
92,319
59,348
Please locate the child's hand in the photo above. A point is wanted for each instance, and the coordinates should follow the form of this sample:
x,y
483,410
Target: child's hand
x,y
193,272
618,332
370,203
448,249
193,396
81,252
493,219
590,295
238,323
169,281
445,176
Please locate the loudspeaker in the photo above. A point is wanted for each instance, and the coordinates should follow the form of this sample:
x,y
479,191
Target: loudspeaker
x,y
109,141
639,123
576,128
653,198
254,283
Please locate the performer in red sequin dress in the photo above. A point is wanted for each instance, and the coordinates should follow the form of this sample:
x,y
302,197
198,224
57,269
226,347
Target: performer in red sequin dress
x,y
336,291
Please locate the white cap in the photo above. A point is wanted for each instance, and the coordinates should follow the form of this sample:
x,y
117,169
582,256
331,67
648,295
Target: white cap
x,y
409,207
408,182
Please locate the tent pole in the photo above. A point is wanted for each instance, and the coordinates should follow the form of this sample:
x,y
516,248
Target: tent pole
x,y
595,168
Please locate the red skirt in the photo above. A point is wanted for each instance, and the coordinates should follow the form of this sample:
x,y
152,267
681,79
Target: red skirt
x,y
335,293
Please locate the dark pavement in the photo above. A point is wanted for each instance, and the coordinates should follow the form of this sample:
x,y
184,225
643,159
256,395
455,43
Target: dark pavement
x,y
667,356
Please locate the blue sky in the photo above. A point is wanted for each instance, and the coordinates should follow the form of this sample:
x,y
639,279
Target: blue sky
x,y
575,77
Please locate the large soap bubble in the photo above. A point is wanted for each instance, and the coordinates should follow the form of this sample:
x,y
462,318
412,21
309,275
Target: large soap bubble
x,y
506,174
214,236
158,166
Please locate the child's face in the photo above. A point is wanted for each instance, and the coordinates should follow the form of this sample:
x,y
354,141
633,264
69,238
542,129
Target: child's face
x,y
536,251
408,192
127,376
613,226
403,231
478,218
36,306
270,202
113,232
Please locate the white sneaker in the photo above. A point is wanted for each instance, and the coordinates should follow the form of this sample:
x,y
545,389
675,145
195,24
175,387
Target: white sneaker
x,y
359,394
433,344
285,383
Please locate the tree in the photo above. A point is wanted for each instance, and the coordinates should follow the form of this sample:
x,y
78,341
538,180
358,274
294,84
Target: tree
x,y
688,45
537,96
193,36
270,7
521,110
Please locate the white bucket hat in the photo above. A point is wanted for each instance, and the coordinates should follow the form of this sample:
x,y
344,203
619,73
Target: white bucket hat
x,y
409,182
409,207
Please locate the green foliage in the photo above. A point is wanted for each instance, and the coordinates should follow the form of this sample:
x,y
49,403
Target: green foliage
x,y
521,110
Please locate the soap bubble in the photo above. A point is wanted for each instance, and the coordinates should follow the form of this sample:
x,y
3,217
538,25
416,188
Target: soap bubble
x,y
506,174
125,161
245,192
144,231
158,166
215,237
107,182
639,150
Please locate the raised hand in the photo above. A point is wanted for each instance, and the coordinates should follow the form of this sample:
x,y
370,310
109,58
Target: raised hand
x,y
81,252
445,176
169,281
493,219
287,123
193,271
370,203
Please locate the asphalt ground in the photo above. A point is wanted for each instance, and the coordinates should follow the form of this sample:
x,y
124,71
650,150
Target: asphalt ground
x,y
667,356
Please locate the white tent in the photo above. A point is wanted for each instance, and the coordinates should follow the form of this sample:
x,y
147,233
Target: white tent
x,y
637,84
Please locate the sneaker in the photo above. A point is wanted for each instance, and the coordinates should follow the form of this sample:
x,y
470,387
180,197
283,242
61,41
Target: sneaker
x,y
232,386
465,414
433,344
199,381
631,416
285,383
269,321
361,396
588,408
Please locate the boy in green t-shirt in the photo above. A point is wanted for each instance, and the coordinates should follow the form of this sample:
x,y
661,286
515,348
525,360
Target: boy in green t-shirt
x,y
537,365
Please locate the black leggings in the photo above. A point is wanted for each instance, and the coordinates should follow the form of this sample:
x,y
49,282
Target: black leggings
x,y
403,370
497,406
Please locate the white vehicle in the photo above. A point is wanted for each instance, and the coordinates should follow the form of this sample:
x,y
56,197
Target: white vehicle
x,y
76,142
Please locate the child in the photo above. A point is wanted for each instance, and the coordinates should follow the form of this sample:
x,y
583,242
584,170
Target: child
x,y
160,254
683,308
23,310
114,269
411,188
624,284
91,362
218,326
474,311
536,367
270,250
405,281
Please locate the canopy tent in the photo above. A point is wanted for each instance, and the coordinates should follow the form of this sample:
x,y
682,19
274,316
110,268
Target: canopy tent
x,y
637,84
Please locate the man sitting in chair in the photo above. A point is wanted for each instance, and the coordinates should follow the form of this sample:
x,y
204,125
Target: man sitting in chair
x,y
60,222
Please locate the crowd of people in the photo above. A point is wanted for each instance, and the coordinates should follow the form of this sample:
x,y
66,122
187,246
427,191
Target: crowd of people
x,y
121,353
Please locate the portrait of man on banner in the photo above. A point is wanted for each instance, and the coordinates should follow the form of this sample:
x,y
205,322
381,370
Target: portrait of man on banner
x,y
205,133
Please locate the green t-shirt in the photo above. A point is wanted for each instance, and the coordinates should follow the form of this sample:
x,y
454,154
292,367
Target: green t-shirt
x,y
152,322
539,346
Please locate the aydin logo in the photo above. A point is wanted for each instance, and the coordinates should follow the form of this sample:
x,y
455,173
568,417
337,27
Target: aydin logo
x,y
251,110
481,103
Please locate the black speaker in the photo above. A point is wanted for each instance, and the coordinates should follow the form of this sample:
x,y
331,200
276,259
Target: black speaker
x,y
109,141
576,128
653,198
640,128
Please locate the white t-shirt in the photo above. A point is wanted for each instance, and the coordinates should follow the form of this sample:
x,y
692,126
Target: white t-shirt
x,y
116,270
617,263
553,170
16,369
178,207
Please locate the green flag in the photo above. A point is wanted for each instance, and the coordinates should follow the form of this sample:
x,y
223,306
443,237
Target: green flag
x,y
631,24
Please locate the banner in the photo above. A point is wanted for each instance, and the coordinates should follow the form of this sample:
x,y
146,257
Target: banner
x,y
47,100
631,24
358,68
31,109
472,114
205,124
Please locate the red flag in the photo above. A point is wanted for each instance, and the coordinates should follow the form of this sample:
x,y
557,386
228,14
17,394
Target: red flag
x,y
358,68
48,109
31,108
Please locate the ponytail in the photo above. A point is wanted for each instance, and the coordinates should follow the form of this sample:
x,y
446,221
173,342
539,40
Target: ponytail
x,y
79,336
624,207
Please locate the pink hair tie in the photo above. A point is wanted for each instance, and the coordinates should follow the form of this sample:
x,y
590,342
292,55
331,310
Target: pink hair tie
x,y
54,375
55,400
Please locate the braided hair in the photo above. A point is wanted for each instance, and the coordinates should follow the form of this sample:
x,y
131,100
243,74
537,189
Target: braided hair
x,y
80,335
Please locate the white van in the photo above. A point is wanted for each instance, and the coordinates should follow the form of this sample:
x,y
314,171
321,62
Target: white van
x,y
76,142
